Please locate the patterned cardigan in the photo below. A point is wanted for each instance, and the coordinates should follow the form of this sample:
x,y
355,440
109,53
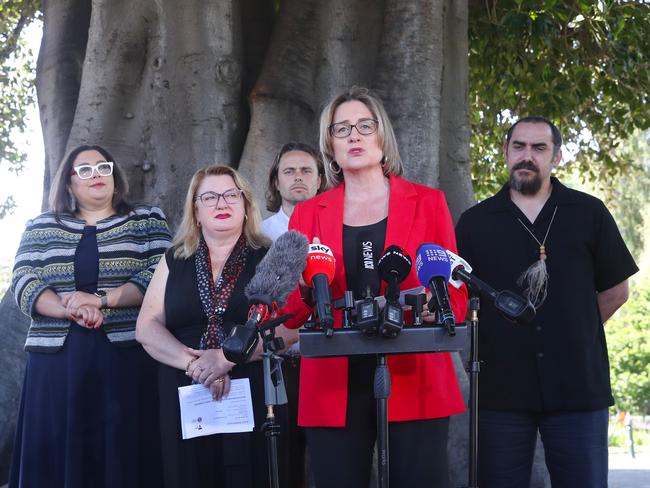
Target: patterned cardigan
x,y
129,246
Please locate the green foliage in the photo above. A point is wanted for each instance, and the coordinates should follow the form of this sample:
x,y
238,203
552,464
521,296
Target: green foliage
x,y
629,350
618,436
627,197
17,75
626,194
584,65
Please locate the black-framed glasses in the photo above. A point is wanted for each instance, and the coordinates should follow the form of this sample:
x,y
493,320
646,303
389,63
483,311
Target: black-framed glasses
x,y
87,171
364,127
211,198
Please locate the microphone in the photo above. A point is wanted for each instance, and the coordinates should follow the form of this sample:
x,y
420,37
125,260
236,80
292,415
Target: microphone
x,y
513,306
368,280
457,263
318,275
275,278
394,266
434,270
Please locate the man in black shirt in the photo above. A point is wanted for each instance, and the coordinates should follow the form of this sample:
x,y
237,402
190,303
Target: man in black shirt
x,y
560,248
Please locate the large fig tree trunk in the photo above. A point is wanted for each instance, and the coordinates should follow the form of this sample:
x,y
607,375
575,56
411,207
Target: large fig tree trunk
x,y
170,86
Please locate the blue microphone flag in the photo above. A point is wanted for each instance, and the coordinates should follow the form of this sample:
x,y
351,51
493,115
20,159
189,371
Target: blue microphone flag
x,y
432,261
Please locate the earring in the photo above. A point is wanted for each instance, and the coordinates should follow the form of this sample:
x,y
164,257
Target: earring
x,y
334,167
245,217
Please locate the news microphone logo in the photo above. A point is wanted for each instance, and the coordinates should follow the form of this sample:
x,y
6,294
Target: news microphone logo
x,y
318,274
434,269
367,255
394,267
320,248
429,254
320,260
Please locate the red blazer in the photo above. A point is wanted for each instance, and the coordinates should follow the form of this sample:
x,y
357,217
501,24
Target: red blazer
x,y
424,386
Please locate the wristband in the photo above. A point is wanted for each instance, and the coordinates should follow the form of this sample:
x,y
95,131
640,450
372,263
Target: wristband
x,y
189,363
103,298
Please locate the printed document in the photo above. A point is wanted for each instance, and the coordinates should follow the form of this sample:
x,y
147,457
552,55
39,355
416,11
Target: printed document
x,y
201,415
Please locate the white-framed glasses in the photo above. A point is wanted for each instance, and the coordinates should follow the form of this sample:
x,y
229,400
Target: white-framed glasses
x,y
87,171
211,198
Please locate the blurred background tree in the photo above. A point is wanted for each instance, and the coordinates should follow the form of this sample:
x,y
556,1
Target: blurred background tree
x,y
583,64
629,351
17,77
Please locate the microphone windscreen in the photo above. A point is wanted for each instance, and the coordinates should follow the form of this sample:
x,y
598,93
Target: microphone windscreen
x,y
395,265
368,278
277,274
320,260
432,261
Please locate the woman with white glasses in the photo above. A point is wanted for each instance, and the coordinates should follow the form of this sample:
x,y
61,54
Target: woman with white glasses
x,y
88,414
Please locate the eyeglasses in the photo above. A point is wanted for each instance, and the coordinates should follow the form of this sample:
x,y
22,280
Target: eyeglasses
x,y
344,129
211,198
86,171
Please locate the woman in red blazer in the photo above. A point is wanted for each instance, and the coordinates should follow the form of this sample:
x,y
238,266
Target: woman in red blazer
x,y
336,403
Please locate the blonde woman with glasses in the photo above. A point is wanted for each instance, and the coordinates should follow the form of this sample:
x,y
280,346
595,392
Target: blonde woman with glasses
x,y
195,298
371,203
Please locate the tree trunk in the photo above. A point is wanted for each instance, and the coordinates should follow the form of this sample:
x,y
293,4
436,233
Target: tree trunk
x,y
13,330
171,86
410,80
58,76
454,176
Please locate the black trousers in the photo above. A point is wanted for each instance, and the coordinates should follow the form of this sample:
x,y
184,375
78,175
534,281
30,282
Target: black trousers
x,y
342,457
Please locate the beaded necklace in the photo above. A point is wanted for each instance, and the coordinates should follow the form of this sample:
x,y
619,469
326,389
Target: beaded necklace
x,y
535,278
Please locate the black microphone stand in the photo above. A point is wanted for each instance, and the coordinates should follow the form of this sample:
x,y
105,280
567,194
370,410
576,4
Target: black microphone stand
x,y
512,307
351,341
382,392
274,393
474,368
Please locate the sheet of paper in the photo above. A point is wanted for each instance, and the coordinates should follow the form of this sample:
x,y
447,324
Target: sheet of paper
x,y
201,415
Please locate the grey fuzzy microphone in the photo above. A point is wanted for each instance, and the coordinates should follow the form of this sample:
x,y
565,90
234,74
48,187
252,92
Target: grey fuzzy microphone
x,y
275,277
278,273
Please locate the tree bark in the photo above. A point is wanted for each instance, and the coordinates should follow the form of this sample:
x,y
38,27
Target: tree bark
x,y
13,330
412,51
58,76
281,102
195,93
317,48
454,166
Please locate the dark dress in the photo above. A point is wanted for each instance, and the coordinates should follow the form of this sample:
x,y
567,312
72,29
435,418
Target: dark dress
x,y
88,413
220,460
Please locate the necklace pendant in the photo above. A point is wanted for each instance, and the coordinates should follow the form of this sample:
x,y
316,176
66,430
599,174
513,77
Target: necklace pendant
x,y
542,253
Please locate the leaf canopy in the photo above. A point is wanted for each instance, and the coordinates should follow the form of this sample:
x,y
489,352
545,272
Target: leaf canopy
x,y
584,65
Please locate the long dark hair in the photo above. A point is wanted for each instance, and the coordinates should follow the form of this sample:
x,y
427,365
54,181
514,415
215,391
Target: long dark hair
x,y
62,201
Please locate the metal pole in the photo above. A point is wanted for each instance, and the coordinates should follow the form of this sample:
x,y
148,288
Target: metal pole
x,y
382,392
474,369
